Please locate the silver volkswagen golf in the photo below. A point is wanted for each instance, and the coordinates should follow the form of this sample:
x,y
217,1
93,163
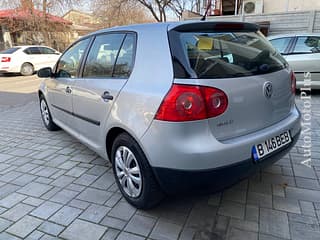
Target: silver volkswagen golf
x,y
174,106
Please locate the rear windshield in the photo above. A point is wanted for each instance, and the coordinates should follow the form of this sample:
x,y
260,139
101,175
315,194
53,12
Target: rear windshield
x,y
9,51
223,54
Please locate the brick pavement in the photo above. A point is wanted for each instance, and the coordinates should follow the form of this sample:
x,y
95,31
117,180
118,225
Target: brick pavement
x,y
53,187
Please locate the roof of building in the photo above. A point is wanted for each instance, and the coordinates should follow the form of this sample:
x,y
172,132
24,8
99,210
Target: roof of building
x,y
22,14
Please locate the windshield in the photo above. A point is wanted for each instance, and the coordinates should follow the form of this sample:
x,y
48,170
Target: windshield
x,y
10,50
225,54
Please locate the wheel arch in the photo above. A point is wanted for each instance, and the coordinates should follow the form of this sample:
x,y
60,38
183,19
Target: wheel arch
x,y
40,93
27,63
112,135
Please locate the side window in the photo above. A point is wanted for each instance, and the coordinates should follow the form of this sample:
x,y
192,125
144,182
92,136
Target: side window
x,y
32,50
281,43
69,62
125,59
45,50
102,55
307,44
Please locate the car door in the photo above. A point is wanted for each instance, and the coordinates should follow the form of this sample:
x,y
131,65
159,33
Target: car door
x,y
106,70
282,44
34,57
305,56
60,87
49,56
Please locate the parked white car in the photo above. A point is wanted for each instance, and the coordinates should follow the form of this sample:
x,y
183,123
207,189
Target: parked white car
x,y
27,59
302,52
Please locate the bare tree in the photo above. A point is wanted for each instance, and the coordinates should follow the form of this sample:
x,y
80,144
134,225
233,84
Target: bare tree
x,y
179,6
119,12
158,8
161,9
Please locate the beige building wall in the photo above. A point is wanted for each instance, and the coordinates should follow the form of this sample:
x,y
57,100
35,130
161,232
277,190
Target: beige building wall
x,y
277,6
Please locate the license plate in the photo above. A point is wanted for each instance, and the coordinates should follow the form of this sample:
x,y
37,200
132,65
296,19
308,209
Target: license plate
x,y
270,145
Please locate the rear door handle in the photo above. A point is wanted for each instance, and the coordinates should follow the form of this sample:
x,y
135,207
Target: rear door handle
x,y
106,96
68,90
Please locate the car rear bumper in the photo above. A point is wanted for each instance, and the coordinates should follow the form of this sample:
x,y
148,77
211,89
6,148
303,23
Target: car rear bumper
x,y
174,181
191,146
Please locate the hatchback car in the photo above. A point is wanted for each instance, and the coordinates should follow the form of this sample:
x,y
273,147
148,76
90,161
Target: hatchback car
x,y
302,52
27,59
174,106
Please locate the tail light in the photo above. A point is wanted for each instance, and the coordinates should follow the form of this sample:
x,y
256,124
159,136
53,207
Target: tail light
x,y
191,102
293,82
5,59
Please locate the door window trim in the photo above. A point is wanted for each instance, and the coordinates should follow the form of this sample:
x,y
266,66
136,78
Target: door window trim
x,y
83,62
82,57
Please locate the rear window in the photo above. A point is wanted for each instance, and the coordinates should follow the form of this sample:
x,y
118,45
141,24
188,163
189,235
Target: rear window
x,y
212,54
10,50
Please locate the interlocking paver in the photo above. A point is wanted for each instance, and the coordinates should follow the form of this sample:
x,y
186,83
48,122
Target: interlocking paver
x,y
304,231
274,223
35,189
307,208
76,172
122,210
94,196
65,215
140,225
95,213
113,222
24,226
231,209
104,182
165,230
51,228
17,212
111,234
237,234
46,210
58,183
6,236
62,181
4,224
82,230
64,196
129,236
12,200
35,235
285,204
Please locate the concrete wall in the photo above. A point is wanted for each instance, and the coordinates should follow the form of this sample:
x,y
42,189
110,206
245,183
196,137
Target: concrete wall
x,y
280,23
277,6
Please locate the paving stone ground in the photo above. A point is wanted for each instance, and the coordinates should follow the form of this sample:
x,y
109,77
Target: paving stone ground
x,y
53,187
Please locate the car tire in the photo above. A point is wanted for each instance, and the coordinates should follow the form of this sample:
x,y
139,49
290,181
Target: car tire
x,y
146,195
27,69
46,115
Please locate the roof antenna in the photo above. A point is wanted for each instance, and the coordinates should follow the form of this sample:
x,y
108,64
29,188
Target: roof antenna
x,y
207,10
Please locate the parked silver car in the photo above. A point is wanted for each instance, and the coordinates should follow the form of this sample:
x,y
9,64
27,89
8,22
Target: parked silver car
x,y
174,106
302,52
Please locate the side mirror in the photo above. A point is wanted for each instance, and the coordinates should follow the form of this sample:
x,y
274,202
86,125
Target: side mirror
x,y
45,72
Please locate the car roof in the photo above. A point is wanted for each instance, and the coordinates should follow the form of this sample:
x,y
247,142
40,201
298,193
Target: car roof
x,y
26,46
165,26
271,37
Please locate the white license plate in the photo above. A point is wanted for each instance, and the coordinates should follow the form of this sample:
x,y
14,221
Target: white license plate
x,y
270,145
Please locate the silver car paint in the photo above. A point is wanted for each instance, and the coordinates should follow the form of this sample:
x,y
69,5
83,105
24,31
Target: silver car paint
x,y
134,108
303,63
246,98
188,145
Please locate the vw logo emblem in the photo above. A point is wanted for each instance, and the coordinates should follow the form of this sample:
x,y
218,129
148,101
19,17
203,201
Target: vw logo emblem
x,y
267,89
